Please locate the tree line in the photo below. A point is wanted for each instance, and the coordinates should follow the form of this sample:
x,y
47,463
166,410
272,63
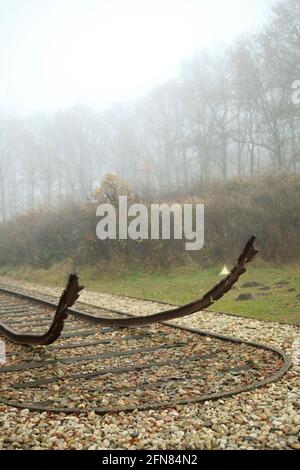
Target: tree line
x,y
227,113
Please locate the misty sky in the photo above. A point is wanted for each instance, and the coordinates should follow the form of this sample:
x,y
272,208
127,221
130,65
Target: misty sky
x,y
56,53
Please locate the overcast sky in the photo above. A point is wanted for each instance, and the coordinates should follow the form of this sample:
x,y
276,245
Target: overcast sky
x,y
56,53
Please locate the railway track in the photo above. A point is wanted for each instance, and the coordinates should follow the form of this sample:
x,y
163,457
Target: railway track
x,y
112,369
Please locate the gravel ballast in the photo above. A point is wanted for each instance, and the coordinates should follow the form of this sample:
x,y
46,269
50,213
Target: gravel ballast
x,y
267,418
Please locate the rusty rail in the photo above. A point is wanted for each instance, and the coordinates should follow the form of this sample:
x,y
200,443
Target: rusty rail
x,y
71,294
67,299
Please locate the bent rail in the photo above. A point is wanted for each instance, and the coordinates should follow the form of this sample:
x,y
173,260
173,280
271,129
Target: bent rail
x,y
206,301
67,299
71,294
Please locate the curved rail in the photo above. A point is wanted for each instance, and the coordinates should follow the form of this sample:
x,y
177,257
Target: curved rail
x,y
285,366
206,301
71,294
67,299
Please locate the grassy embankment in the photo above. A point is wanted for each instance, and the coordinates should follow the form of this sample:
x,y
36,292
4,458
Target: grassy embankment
x,y
276,296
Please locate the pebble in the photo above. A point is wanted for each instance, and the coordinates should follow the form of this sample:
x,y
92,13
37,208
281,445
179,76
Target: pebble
x,y
245,421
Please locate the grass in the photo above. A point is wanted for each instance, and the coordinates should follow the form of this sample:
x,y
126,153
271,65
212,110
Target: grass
x,y
276,298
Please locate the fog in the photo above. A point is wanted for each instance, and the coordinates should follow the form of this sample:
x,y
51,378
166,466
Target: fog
x,y
169,96
57,53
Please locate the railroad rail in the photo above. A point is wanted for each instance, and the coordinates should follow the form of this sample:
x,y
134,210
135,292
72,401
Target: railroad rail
x,y
72,290
108,369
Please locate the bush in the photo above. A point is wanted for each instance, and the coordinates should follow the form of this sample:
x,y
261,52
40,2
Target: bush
x,y
268,206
